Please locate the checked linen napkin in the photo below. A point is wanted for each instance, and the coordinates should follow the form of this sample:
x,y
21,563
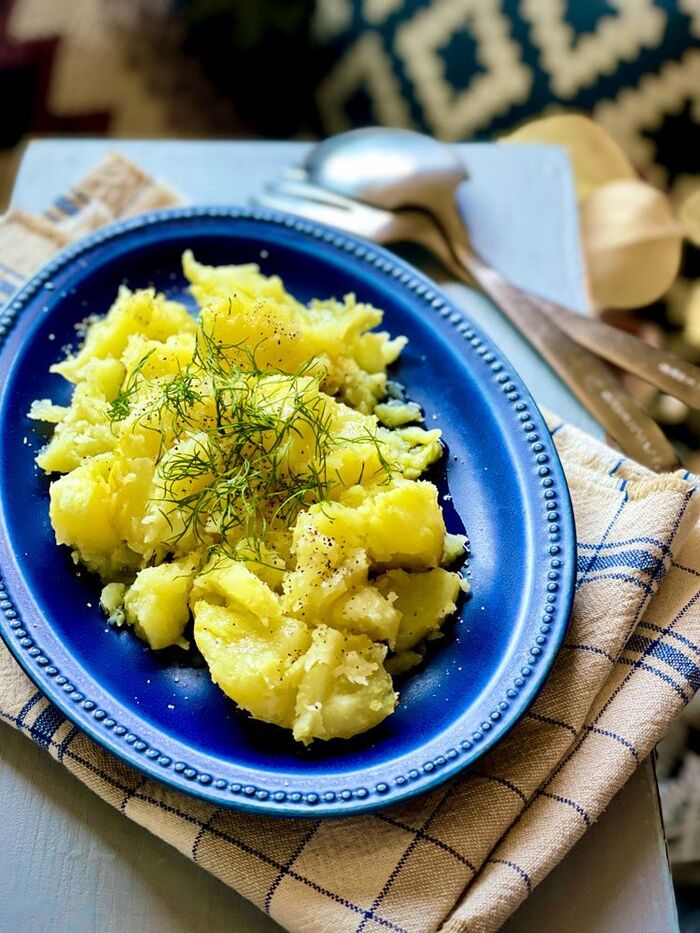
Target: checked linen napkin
x,y
463,857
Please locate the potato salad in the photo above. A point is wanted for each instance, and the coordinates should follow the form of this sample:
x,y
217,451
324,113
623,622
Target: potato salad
x,y
244,478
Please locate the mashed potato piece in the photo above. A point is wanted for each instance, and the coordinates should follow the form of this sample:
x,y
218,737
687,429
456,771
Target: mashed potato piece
x,y
242,473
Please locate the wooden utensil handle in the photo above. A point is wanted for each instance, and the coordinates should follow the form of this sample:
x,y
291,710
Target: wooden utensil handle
x,y
660,368
588,377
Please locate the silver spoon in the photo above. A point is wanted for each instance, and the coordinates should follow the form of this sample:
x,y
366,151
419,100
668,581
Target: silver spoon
x,y
393,169
396,169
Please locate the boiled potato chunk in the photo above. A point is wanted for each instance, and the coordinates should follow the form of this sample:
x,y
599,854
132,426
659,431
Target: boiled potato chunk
x,y
396,414
344,688
325,572
239,325
209,283
321,683
400,525
365,610
264,560
330,585
232,583
112,602
74,440
82,430
143,312
423,599
252,658
131,485
402,662
157,602
157,359
82,517
455,546
165,517
43,409
411,449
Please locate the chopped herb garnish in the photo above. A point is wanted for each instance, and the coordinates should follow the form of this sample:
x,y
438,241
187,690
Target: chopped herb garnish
x,y
226,429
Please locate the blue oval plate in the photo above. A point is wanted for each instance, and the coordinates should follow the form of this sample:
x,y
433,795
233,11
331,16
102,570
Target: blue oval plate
x,y
163,715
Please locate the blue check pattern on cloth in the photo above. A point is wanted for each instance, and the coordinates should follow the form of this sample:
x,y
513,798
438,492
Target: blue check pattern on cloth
x,y
464,856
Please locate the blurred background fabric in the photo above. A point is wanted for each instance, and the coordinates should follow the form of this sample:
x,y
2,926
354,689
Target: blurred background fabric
x,y
457,69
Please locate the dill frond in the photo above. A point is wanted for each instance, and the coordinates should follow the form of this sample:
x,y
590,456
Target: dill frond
x,y
121,405
227,426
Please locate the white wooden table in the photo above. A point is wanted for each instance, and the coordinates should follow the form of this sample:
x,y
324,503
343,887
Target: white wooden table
x,y
69,862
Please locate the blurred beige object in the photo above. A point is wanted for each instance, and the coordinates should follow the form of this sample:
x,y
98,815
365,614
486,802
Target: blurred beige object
x,y
631,242
670,410
691,330
595,156
689,217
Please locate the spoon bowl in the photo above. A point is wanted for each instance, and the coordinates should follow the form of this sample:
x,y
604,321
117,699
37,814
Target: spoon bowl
x,y
391,169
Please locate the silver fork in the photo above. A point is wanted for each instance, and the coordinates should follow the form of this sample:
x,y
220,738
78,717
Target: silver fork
x,y
294,195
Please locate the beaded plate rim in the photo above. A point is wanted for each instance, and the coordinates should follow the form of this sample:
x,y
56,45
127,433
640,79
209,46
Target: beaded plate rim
x,y
558,589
